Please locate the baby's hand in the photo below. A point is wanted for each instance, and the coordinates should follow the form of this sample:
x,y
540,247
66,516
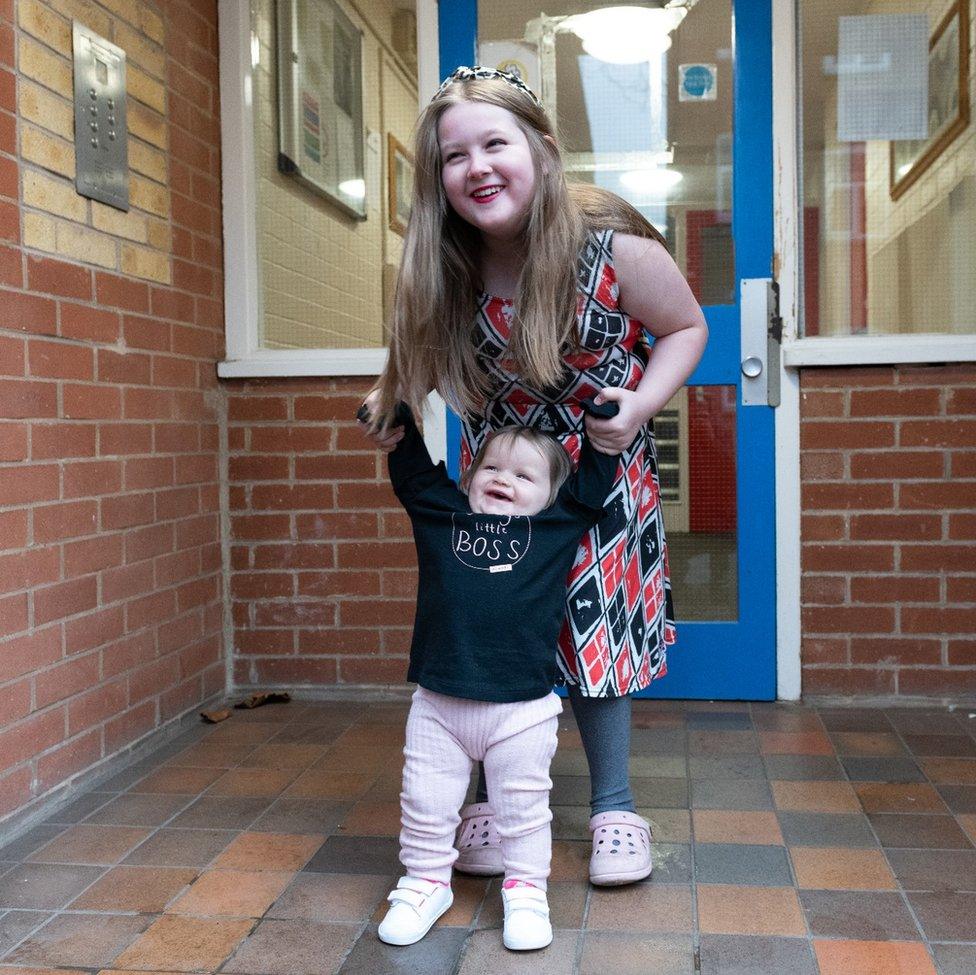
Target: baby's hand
x,y
612,435
386,438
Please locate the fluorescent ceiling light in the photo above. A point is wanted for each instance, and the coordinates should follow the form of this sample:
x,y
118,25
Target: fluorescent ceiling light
x,y
651,182
626,35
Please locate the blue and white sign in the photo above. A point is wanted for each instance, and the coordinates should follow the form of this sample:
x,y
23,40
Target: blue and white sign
x,y
697,82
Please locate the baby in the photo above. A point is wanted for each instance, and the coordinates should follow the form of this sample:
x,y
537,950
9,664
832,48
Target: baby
x,y
490,603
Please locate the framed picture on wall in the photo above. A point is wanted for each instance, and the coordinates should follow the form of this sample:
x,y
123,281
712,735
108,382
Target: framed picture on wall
x,y
399,166
949,108
320,101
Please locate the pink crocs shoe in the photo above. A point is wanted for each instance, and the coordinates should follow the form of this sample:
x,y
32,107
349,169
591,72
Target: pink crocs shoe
x,y
477,841
621,849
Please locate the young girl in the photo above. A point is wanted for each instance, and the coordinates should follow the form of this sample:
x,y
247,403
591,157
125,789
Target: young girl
x,y
489,608
516,300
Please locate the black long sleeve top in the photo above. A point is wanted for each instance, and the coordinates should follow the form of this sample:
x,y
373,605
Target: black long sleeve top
x,y
491,590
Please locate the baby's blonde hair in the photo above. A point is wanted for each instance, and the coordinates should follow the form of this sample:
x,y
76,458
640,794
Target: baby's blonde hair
x,y
560,466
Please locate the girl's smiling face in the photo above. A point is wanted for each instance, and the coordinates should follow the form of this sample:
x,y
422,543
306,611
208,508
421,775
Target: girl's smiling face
x,y
512,479
487,168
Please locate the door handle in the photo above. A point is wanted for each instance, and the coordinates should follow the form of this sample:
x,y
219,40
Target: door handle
x,y
761,331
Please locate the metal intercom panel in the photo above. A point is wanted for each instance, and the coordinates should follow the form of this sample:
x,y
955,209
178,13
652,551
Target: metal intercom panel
x,y
101,136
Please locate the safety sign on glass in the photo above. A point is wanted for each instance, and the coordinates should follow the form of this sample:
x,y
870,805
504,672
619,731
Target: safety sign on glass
x,y
697,82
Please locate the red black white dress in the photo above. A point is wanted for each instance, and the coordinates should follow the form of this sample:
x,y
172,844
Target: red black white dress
x,y
619,616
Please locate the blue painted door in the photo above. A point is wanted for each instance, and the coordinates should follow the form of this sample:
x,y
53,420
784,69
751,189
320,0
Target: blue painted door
x,y
723,556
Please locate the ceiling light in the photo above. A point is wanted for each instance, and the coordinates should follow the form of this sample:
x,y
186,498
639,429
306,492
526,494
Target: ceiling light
x,y
356,188
651,182
626,35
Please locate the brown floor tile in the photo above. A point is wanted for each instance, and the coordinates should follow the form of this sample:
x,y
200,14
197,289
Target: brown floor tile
x,y
90,844
138,810
253,782
727,909
777,718
485,953
363,760
635,954
368,818
181,847
373,735
641,908
941,745
570,860
184,944
207,754
824,797
179,780
44,886
284,756
268,851
867,743
934,869
92,941
145,890
858,915
795,743
469,894
737,954
127,971
838,868
302,816
722,742
16,925
727,826
945,916
293,948
957,771
326,784
222,812
340,898
906,797
919,832
968,822
873,958
232,893
244,732
955,959
667,825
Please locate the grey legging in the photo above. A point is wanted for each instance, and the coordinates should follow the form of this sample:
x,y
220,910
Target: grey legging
x,y
604,725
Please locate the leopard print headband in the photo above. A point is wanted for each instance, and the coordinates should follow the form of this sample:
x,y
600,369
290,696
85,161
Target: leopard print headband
x,y
481,73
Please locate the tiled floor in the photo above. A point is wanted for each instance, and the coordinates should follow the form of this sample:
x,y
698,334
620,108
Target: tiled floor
x,y
787,839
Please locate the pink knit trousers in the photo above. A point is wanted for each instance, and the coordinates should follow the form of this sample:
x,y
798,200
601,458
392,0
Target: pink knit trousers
x,y
516,742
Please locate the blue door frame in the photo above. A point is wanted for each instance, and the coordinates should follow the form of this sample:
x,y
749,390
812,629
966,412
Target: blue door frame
x,y
722,660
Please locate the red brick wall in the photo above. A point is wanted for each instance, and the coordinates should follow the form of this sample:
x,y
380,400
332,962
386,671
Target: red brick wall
x,y
323,567
110,554
888,471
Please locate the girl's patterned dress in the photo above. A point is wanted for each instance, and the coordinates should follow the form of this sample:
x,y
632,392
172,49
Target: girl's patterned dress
x,y
619,617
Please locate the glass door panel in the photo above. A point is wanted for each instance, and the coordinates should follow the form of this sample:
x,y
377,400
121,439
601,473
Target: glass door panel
x,y
674,114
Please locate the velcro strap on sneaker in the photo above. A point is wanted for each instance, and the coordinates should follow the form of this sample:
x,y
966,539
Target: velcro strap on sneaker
x,y
406,896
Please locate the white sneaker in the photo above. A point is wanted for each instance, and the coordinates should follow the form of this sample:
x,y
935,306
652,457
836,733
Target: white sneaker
x,y
526,918
415,905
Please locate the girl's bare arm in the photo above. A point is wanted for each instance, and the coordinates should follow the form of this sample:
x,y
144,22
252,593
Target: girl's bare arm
x,y
653,291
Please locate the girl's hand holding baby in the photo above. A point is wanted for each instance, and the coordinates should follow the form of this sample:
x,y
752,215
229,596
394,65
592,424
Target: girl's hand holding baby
x,y
385,438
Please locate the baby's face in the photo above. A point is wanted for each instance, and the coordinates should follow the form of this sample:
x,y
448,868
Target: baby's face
x,y
513,479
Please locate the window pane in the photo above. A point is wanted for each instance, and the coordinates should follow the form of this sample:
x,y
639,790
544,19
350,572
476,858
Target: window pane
x,y
326,276
695,437
642,98
889,203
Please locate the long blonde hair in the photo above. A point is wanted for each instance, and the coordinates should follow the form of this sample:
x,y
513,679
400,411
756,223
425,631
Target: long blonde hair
x,y
439,282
